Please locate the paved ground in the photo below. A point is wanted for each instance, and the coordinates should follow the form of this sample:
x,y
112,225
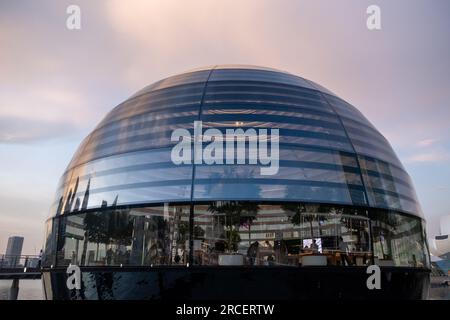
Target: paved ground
x,y
438,290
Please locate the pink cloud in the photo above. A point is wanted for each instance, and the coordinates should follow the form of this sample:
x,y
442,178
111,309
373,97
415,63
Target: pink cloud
x,y
426,142
427,157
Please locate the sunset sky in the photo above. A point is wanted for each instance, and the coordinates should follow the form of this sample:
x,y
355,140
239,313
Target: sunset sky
x,y
56,84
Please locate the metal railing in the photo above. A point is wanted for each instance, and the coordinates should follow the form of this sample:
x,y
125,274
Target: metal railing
x,y
19,262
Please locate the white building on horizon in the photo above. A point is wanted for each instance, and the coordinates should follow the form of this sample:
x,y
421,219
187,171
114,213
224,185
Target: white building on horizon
x,y
440,245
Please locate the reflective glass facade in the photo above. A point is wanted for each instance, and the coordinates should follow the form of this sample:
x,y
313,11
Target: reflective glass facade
x,y
237,233
122,201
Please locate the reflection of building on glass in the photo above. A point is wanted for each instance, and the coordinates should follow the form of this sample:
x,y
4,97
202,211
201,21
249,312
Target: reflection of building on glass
x,y
146,236
233,233
136,222
274,237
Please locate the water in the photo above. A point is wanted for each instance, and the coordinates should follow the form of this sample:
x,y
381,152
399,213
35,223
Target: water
x,y
28,289
32,290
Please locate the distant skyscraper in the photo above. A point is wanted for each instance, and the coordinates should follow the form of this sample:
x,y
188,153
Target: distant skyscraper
x,y
14,249
440,245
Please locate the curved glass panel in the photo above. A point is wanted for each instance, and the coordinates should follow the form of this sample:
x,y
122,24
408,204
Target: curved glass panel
x,y
139,177
185,78
258,75
329,152
49,251
399,240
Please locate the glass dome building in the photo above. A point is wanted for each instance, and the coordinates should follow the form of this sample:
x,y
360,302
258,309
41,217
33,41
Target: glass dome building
x,y
141,226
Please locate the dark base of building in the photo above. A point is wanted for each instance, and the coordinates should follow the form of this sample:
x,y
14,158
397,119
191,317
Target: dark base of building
x,y
237,283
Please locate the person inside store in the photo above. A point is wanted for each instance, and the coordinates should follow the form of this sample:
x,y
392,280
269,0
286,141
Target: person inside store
x,y
343,252
252,253
314,246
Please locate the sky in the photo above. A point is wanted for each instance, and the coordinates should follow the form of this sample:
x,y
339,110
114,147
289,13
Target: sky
x,y
56,84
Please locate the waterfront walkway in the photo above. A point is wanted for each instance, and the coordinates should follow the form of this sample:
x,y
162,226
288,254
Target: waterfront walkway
x,y
19,267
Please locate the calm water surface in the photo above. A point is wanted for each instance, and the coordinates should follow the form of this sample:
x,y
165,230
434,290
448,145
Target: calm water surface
x,y
28,289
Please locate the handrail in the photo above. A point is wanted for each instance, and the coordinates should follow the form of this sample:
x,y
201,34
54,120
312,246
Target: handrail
x,y
19,261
